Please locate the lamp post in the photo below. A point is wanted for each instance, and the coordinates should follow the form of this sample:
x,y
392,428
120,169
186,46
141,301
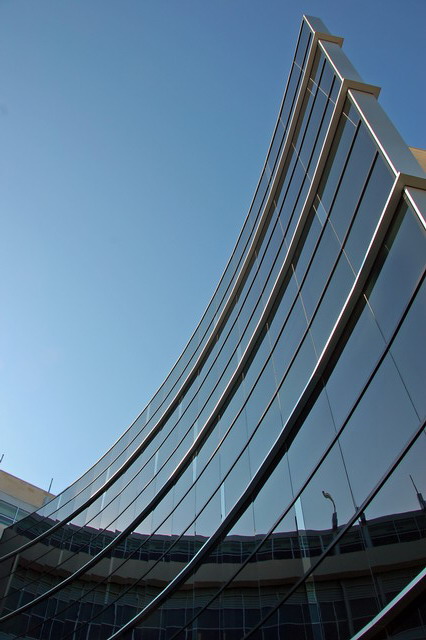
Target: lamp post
x,y
328,496
421,500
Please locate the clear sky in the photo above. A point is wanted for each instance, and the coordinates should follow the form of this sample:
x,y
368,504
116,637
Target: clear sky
x,y
132,135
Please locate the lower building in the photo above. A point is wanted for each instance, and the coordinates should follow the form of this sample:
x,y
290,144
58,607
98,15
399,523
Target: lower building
x,y
273,487
18,499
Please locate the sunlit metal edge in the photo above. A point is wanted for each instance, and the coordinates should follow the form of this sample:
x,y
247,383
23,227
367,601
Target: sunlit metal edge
x,y
387,138
393,608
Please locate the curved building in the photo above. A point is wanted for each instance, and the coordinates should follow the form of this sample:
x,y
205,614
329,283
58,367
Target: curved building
x,y
272,488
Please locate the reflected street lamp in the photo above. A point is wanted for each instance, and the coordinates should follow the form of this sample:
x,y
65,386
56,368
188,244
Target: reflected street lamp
x,y
328,496
422,501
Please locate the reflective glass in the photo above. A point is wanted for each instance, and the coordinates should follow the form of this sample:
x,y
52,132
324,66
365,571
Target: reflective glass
x,y
342,143
332,302
352,182
303,45
368,213
356,360
377,430
408,351
320,268
311,440
399,266
297,377
325,121
306,245
266,435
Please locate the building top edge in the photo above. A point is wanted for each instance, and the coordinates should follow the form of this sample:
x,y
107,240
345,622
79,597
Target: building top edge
x,y
320,31
18,481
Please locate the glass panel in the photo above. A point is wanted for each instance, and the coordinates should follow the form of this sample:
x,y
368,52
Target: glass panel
x,y
321,134
289,339
320,269
265,436
332,303
297,377
355,362
368,213
324,505
311,440
8,509
303,44
348,599
401,261
381,424
410,623
352,182
307,244
408,351
341,146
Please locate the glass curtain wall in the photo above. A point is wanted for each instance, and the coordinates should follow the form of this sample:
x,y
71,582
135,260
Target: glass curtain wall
x,y
274,485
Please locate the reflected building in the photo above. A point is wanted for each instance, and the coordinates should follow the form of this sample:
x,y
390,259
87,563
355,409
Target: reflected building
x,y
273,487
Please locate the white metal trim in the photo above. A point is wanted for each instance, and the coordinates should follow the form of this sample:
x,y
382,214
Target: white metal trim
x,y
387,138
344,68
320,31
413,195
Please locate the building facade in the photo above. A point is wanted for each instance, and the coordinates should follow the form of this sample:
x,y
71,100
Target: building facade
x,y
273,486
18,499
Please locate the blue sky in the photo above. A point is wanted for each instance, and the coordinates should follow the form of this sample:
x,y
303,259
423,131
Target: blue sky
x,y
132,135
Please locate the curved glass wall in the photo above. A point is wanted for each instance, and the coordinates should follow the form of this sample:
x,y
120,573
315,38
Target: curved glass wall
x,y
273,486
78,494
